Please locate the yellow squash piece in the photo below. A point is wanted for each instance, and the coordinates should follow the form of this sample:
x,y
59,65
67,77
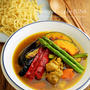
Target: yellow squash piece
x,y
67,46
58,35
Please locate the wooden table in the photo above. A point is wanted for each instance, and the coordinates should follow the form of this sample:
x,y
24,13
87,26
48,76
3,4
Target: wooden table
x,y
81,10
4,85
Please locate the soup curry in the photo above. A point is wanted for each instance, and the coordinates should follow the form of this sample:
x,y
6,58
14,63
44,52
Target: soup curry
x,y
45,83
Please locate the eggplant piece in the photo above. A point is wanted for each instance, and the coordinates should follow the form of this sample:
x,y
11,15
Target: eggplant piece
x,y
26,67
29,48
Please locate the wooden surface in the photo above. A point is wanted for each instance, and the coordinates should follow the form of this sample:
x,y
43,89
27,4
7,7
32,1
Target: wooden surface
x,y
81,9
4,85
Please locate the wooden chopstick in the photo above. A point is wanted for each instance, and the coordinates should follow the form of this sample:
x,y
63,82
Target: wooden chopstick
x,y
75,19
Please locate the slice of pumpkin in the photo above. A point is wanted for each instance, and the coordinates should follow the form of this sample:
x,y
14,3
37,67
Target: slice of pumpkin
x,y
58,35
68,46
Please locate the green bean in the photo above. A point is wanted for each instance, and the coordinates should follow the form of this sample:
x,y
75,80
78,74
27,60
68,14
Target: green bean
x,y
63,52
56,52
81,55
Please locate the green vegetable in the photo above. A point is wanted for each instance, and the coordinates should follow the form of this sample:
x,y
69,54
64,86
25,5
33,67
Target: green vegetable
x,y
64,53
56,52
81,55
51,56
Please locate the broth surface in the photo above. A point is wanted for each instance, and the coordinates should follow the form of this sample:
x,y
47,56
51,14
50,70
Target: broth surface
x,y
43,84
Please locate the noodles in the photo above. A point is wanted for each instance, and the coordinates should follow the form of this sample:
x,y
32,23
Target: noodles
x,y
15,14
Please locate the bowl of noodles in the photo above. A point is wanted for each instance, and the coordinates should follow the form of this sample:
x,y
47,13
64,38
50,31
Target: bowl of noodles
x,y
15,14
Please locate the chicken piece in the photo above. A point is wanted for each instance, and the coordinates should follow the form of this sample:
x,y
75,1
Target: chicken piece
x,y
58,72
54,65
61,66
53,77
54,70
51,67
58,60
54,61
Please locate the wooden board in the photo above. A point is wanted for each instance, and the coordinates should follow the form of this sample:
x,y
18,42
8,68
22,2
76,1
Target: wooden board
x,y
81,10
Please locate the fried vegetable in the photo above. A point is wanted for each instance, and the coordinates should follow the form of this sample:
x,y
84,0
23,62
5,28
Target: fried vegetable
x,y
53,70
29,48
64,53
53,77
51,56
42,63
31,54
60,63
37,67
78,59
58,35
64,58
31,71
68,74
81,55
58,60
51,67
67,46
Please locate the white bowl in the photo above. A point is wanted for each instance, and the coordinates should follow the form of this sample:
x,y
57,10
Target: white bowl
x,y
21,34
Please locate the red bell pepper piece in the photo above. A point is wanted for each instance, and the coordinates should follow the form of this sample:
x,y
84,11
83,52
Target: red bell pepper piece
x,y
39,72
41,67
30,73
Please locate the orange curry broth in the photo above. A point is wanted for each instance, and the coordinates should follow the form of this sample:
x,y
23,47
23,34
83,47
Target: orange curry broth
x,y
43,84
